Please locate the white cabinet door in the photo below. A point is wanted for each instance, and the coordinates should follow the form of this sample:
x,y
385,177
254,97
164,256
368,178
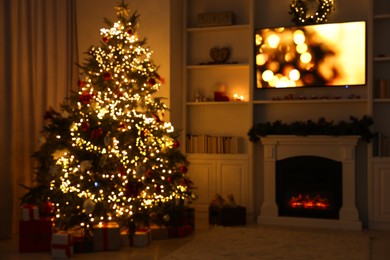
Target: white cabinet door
x,y
202,173
220,174
232,178
381,192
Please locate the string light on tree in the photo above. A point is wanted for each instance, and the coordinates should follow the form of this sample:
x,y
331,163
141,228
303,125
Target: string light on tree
x,y
111,156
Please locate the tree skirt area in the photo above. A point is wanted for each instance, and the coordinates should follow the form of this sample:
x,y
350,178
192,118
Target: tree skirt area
x,y
269,242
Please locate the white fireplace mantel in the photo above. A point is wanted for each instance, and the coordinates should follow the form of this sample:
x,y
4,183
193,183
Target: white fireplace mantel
x,y
338,148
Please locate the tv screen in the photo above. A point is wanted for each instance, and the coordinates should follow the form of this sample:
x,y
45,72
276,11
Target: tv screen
x,y
332,54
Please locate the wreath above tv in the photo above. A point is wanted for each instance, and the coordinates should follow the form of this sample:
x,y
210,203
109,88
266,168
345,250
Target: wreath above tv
x,y
355,126
302,14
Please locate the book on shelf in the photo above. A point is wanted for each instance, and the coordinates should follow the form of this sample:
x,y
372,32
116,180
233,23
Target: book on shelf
x,y
381,145
211,144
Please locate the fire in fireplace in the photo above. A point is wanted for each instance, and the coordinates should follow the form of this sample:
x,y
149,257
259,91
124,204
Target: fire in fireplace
x,y
309,186
308,202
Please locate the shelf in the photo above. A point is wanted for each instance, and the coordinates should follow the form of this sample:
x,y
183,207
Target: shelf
x,y
310,101
382,58
218,28
381,159
233,156
382,100
218,66
219,103
382,16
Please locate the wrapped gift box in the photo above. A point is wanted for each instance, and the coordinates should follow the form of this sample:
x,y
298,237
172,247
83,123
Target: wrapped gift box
x,y
125,238
61,245
227,216
158,232
107,237
82,244
29,212
142,237
35,235
182,217
180,231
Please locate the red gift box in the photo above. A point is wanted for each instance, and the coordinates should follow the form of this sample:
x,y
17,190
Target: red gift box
x,y
158,232
82,244
180,231
35,235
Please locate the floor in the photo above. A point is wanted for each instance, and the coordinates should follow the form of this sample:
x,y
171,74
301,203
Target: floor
x,y
380,248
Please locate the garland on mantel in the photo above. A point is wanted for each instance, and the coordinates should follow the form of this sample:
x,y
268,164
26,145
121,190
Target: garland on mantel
x,y
355,126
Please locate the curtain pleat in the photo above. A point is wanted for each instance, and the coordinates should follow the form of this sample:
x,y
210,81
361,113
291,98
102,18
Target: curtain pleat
x,y
37,70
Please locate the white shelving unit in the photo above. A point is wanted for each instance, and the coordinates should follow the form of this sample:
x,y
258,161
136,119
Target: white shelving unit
x,y
379,179
219,173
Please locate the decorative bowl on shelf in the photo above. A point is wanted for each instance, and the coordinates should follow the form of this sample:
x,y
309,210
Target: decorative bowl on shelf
x,y
219,55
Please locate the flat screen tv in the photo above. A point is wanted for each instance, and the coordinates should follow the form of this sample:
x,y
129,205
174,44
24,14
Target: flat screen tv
x,y
319,55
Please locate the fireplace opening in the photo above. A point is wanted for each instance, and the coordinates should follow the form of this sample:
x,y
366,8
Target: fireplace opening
x,y
309,186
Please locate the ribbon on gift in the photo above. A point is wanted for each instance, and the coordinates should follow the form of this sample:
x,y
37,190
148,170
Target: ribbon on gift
x,y
105,239
30,212
105,227
80,241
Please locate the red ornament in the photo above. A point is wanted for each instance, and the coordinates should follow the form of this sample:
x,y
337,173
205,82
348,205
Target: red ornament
x,y
46,209
85,126
183,183
85,98
106,76
119,93
151,82
169,179
148,174
183,169
176,144
106,39
122,126
133,189
96,133
81,83
130,32
121,170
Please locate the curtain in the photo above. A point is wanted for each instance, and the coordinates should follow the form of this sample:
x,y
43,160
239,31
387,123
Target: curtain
x,y
37,70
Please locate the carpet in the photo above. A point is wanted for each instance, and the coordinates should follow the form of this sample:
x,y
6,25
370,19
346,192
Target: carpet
x,y
269,242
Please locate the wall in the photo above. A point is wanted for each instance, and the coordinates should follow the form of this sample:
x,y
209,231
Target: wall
x,y
154,25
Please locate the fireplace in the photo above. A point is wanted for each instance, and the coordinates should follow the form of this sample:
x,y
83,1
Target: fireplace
x,y
309,186
309,181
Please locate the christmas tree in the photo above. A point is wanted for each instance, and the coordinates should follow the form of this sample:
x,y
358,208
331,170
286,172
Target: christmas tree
x,y
109,155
